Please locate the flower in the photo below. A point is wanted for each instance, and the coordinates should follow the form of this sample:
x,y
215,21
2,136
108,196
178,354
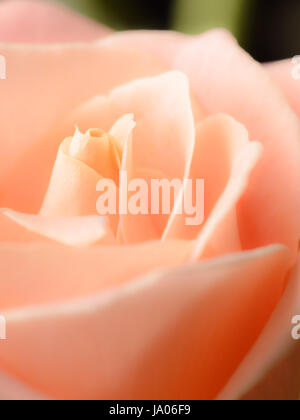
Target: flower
x,y
146,307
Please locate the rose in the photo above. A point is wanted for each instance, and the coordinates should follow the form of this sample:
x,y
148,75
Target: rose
x,y
200,314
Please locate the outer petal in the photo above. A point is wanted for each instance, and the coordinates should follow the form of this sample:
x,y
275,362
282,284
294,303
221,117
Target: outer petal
x,y
37,273
13,232
271,370
71,231
227,80
161,107
286,75
220,233
43,85
174,335
39,21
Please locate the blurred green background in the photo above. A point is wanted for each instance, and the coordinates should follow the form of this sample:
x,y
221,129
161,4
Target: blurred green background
x,y
268,29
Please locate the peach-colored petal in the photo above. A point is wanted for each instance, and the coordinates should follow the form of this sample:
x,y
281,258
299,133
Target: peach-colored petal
x,y
163,140
163,145
37,273
226,79
72,188
286,75
174,335
219,142
164,133
12,390
224,159
82,161
271,370
163,44
122,130
102,151
12,232
44,83
94,149
40,21
71,231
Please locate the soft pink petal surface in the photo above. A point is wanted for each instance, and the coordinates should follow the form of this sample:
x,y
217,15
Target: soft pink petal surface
x,y
12,390
37,273
221,235
163,140
271,370
224,158
39,21
58,78
121,340
227,80
71,231
282,74
160,338
163,44
72,187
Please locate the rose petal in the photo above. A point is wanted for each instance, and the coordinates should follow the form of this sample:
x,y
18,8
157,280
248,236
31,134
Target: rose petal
x,y
221,233
163,44
163,140
93,148
122,129
174,335
227,80
38,21
37,273
72,188
12,390
12,232
71,231
282,74
43,85
161,107
223,159
271,370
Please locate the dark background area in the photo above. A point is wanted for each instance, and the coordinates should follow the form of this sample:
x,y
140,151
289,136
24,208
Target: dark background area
x,y
268,29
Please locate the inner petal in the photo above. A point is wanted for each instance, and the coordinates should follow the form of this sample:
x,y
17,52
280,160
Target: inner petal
x,y
81,162
98,150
